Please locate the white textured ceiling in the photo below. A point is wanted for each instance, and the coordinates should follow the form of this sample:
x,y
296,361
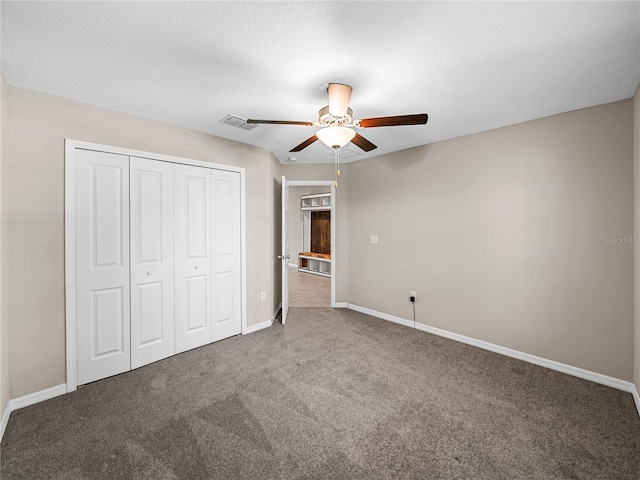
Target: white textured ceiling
x,y
470,66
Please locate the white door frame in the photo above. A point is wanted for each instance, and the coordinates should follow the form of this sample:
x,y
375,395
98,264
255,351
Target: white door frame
x,y
70,229
323,183
284,247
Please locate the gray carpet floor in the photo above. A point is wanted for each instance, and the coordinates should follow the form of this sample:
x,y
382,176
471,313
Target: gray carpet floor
x,y
334,394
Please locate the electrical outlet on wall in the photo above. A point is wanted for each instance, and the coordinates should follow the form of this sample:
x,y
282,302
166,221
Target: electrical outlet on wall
x,y
374,239
263,295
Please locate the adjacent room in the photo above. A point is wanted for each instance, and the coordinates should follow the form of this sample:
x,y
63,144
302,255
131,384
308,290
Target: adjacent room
x,y
358,239
309,247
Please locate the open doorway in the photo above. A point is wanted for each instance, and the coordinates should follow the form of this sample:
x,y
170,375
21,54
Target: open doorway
x,y
325,267
310,246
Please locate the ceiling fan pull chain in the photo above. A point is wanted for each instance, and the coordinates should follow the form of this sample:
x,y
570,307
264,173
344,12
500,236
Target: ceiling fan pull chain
x,y
336,159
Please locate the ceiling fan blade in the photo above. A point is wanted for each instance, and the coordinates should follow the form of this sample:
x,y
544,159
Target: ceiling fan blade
x,y
339,98
419,119
304,144
363,143
279,122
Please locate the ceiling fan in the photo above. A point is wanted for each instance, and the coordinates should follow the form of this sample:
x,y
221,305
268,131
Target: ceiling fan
x,y
335,119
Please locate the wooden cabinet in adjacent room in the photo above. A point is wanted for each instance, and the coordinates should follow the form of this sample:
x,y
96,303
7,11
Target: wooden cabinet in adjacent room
x,y
316,237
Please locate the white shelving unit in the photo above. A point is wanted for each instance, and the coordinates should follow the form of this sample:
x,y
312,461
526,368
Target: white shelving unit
x,y
316,201
314,264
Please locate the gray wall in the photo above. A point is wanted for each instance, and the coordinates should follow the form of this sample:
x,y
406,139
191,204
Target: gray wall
x,y
636,232
4,249
514,236
39,124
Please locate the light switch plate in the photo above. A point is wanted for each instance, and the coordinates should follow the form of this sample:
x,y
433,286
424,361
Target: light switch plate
x,y
374,239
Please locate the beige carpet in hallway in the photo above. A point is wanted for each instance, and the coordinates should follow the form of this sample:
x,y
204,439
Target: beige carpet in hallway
x,y
308,290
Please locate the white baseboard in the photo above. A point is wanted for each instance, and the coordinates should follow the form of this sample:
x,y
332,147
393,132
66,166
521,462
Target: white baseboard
x,y
340,305
4,421
293,265
543,362
265,324
384,316
37,397
30,399
257,326
636,398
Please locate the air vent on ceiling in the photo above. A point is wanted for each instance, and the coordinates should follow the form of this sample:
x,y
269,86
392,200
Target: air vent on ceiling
x,y
346,153
234,121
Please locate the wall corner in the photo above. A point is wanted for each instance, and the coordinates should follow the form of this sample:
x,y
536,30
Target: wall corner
x,y
636,233
5,391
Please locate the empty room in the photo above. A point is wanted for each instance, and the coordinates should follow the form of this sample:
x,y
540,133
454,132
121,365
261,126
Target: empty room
x,y
320,239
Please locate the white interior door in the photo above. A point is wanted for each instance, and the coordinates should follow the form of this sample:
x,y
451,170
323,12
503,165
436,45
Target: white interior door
x,y
152,261
285,249
226,254
102,265
193,256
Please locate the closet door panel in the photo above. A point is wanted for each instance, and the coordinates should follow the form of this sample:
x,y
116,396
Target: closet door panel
x,y
197,302
149,298
152,262
102,265
224,294
225,233
193,256
107,318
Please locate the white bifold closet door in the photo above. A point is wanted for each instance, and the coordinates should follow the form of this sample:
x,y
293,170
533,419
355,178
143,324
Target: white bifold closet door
x,y
158,260
208,275
226,254
152,261
193,256
102,265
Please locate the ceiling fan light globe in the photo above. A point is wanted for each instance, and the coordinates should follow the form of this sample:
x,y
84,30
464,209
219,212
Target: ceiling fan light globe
x,y
335,137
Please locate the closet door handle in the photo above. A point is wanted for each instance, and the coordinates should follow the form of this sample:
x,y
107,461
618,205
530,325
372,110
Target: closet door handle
x,y
197,267
149,272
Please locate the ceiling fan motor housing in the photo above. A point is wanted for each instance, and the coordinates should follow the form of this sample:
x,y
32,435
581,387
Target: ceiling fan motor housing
x,y
326,119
